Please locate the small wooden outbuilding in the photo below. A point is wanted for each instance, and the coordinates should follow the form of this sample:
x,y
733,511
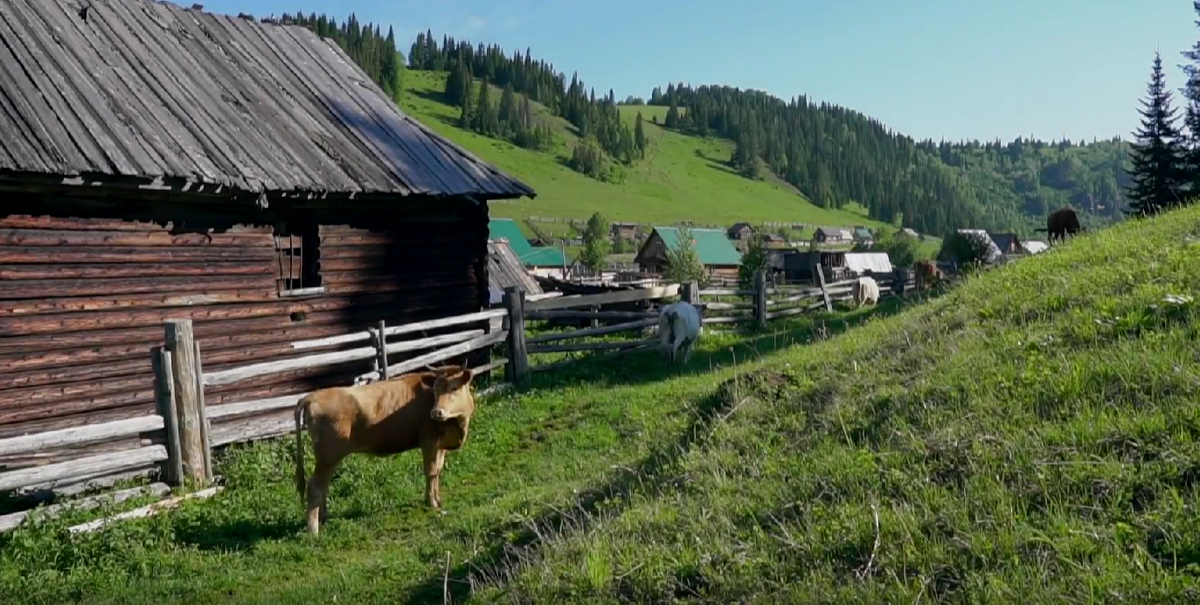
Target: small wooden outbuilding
x,y
161,163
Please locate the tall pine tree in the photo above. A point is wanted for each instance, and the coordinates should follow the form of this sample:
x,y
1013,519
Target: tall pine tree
x,y
1156,158
467,118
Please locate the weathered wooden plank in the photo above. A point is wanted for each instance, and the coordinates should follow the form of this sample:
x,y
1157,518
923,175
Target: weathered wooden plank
x,y
13,520
145,511
421,361
256,406
57,288
86,434
147,254
720,292
434,324
253,429
113,271
48,237
239,374
11,462
24,307
590,314
79,468
606,298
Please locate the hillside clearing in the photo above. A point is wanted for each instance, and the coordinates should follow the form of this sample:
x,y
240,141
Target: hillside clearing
x,y
683,178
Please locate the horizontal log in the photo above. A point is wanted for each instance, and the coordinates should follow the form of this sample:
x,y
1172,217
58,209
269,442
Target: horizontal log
x,y
134,301
716,306
796,297
52,288
82,467
145,511
25,221
40,395
607,298
719,292
16,411
68,488
589,346
42,457
252,429
421,361
13,520
86,434
113,270
47,237
789,312
286,384
110,254
434,324
43,423
281,309
239,374
726,320
633,348
488,367
633,325
546,315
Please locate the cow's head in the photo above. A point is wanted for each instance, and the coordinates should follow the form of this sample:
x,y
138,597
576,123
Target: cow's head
x,y
452,392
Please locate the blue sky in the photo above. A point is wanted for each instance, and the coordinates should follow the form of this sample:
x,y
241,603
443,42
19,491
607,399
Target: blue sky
x,y
927,68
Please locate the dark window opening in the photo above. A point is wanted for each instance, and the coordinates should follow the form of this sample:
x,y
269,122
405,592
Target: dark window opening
x,y
298,258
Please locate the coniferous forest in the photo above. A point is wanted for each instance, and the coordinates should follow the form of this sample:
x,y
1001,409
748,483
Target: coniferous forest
x,y
832,154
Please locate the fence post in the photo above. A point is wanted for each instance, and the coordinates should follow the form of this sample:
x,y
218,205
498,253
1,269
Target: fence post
x,y
379,341
691,293
186,382
824,291
760,298
518,362
164,396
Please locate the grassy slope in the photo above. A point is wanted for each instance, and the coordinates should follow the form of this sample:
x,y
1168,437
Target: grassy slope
x,y
684,178
1030,437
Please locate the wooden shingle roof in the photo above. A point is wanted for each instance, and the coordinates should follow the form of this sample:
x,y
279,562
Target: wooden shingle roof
x,y
135,88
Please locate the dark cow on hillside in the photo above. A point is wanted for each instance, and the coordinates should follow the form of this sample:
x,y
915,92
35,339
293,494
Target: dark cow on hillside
x,y
1062,223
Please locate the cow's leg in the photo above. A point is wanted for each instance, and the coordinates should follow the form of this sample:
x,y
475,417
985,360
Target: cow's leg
x,y
434,457
318,492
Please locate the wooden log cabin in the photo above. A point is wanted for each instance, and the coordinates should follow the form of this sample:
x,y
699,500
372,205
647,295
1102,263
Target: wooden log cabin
x,y
158,163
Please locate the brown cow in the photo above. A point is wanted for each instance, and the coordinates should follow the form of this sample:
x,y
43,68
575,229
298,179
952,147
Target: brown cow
x,y
928,274
427,410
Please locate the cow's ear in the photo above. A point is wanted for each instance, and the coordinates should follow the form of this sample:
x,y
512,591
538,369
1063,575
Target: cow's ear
x,y
467,375
429,379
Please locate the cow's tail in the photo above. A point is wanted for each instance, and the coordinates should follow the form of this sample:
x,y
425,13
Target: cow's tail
x,y
299,413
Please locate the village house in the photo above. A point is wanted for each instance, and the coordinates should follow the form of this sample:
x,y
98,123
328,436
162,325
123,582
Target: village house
x,y
716,252
740,231
832,236
217,184
624,231
1008,243
863,236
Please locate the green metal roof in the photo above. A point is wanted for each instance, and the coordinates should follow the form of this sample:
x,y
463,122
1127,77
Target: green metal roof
x,y
711,245
544,257
506,228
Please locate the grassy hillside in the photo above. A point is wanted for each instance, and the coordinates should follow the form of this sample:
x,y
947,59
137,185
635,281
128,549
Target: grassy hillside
x,y
683,178
1030,437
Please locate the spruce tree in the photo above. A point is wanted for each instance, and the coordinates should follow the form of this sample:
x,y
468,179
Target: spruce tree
x,y
467,118
1191,114
1156,158
639,136
672,120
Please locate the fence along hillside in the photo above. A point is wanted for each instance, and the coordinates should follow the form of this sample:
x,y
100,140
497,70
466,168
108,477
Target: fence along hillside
x,y
178,440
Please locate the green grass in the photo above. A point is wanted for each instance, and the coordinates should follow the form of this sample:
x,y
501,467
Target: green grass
x,y
683,178
1030,437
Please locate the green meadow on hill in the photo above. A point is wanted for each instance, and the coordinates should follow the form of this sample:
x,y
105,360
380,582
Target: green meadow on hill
x,y
683,178
1029,436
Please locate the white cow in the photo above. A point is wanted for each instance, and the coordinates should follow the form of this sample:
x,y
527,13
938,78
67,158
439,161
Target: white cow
x,y
866,291
678,327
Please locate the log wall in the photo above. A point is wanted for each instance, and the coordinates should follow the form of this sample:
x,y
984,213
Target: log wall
x,y
83,298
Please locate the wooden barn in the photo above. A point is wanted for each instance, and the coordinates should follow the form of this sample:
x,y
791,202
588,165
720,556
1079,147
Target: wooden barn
x,y
716,252
161,163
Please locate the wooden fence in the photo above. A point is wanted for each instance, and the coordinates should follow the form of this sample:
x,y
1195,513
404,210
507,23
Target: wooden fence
x,y
179,439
